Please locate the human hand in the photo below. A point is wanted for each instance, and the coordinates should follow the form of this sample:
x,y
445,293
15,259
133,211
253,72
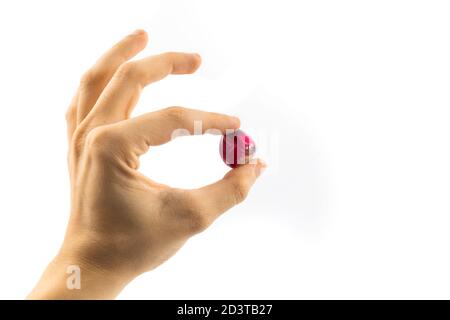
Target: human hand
x,y
122,223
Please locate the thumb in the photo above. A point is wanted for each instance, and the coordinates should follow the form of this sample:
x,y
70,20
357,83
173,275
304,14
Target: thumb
x,y
232,189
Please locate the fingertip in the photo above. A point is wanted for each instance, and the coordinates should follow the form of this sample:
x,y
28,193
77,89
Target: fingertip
x,y
236,122
261,163
133,43
145,36
197,61
256,167
223,123
260,166
182,62
141,36
139,32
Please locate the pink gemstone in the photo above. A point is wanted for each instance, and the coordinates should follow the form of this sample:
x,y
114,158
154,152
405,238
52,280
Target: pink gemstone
x,y
236,148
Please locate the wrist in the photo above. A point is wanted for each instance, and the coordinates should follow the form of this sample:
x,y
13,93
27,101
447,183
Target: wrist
x,y
71,275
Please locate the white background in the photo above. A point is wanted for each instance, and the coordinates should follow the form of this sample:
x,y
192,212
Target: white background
x,y
348,102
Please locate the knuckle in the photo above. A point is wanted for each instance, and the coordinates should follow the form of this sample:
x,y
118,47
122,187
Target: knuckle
x,y
94,76
166,63
71,114
166,55
177,114
99,141
127,71
89,78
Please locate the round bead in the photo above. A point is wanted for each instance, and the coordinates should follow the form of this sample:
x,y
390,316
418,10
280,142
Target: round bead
x,y
236,148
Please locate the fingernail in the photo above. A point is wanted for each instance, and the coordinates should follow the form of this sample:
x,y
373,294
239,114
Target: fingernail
x,y
236,120
138,32
196,55
260,167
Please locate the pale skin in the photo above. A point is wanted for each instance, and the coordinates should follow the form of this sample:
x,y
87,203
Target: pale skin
x,y
122,223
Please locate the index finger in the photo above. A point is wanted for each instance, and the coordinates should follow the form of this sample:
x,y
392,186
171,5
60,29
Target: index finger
x,y
158,127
